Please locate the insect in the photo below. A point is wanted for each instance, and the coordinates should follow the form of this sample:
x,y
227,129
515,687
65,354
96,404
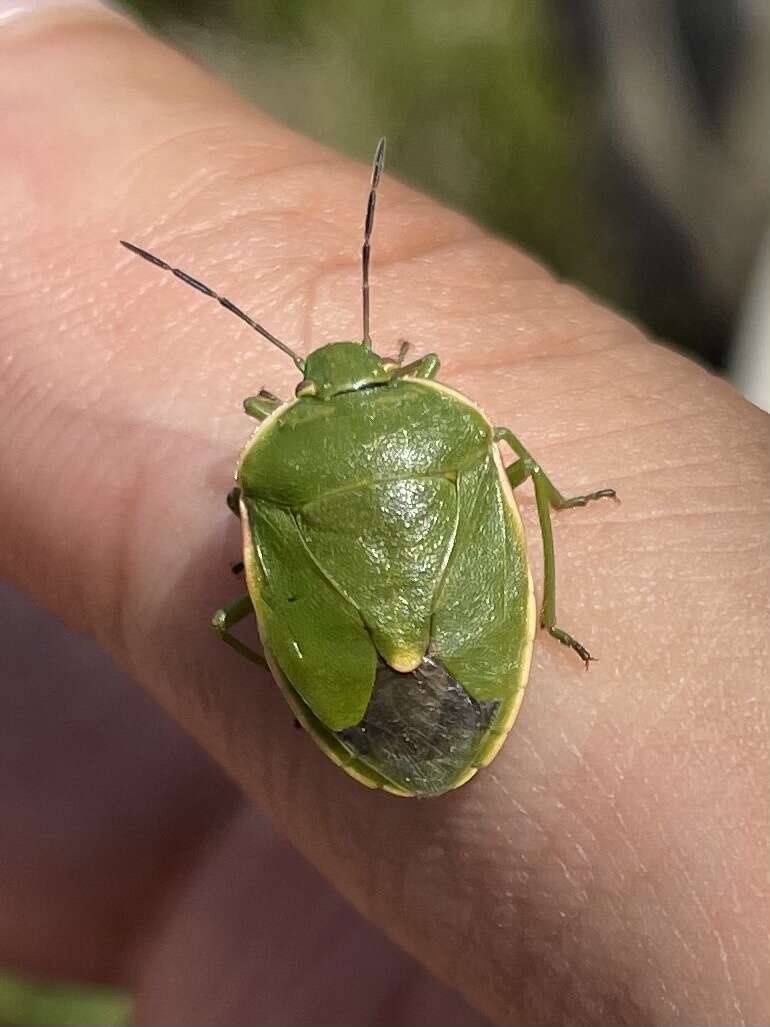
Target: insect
x,y
385,558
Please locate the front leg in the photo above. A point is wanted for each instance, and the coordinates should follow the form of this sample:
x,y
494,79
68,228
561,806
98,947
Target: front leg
x,y
547,496
262,405
426,367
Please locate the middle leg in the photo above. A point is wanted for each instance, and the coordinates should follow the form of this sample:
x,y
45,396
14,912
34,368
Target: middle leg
x,y
227,617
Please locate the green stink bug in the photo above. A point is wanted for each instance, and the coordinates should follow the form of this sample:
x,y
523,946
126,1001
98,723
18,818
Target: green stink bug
x,y
385,559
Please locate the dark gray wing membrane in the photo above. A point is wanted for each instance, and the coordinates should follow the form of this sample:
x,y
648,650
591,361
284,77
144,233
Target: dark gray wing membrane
x,y
421,730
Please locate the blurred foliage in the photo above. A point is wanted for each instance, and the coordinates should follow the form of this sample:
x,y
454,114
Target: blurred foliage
x,y
481,107
32,1004
619,146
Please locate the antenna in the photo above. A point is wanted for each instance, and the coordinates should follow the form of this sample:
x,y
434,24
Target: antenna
x,y
379,161
223,300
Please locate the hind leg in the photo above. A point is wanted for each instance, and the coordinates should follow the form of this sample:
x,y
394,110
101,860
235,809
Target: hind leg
x,y
547,496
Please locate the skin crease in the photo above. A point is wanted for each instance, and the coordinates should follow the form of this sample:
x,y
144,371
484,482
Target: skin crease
x,y
610,866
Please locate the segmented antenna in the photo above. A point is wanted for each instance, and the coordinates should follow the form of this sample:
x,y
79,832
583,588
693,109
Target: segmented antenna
x,y
379,161
222,300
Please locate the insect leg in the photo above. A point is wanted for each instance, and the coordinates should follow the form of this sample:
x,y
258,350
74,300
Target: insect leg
x,y
547,496
426,367
233,499
226,618
517,473
261,406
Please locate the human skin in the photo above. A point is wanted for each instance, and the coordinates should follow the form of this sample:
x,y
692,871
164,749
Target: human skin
x,y
611,865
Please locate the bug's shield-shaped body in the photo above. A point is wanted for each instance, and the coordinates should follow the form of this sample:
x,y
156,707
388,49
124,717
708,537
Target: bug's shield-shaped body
x,y
386,563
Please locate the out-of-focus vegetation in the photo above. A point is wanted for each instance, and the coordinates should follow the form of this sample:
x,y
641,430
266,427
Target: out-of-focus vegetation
x,y
625,148
481,106
31,1004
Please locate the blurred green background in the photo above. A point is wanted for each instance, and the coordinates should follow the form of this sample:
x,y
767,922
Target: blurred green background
x,y
478,102
35,1004
629,153
625,145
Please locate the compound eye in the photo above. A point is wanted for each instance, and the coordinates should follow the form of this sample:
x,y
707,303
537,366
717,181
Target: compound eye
x,y
305,388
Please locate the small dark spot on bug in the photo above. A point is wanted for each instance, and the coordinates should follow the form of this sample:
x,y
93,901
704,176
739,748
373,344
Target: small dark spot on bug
x,y
291,599
357,737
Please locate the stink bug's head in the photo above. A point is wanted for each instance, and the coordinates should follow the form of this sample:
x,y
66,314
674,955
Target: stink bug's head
x,y
342,367
348,366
